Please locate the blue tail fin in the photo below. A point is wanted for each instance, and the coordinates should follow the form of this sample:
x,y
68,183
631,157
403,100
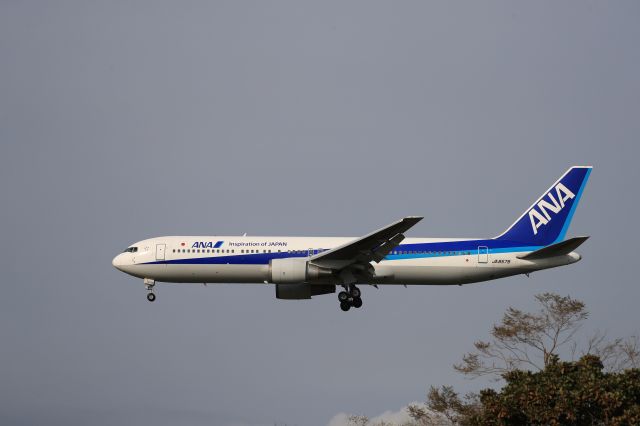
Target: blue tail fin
x,y
547,220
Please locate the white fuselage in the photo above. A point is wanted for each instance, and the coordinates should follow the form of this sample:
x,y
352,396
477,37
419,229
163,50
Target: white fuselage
x,y
228,259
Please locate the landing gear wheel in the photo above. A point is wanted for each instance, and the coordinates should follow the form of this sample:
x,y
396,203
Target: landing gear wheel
x,y
355,292
343,296
151,297
357,302
345,306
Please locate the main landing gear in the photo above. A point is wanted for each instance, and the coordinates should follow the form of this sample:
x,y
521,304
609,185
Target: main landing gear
x,y
149,283
350,297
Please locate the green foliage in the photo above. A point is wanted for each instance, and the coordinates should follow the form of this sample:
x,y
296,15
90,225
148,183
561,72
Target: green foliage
x,y
563,393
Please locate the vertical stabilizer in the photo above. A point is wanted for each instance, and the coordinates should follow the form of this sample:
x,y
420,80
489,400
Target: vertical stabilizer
x,y
547,220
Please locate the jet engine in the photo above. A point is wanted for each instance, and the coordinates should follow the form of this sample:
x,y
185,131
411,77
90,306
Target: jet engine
x,y
296,271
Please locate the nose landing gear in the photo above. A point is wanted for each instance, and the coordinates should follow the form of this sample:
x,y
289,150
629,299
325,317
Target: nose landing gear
x,y
149,284
350,297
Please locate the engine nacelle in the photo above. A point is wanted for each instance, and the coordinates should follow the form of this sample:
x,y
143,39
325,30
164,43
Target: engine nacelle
x,y
302,291
296,271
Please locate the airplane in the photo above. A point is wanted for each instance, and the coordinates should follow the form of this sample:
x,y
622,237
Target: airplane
x,y
303,267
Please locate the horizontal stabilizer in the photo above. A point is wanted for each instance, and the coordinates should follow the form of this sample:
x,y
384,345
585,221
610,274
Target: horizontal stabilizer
x,y
558,249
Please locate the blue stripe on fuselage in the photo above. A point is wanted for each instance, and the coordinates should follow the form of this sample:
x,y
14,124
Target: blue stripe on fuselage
x,y
417,250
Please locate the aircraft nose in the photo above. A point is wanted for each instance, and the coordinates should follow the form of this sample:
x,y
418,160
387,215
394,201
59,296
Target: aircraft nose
x,y
118,262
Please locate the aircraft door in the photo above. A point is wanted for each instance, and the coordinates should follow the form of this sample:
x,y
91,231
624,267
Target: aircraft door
x,y
160,249
483,254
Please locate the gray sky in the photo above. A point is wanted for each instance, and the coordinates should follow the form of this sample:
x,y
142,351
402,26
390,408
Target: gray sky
x,y
126,120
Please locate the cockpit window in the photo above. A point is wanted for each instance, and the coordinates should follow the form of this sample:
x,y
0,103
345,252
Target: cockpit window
x,y
131,250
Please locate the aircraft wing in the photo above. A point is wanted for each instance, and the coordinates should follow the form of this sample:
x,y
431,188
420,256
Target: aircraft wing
x,y
372,247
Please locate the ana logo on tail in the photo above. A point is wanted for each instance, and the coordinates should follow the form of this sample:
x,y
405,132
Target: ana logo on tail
x,y
541,216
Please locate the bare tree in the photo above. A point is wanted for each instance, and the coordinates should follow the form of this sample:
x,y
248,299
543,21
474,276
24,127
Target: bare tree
x,y
450,408
616,355
419,414
422,415
524,340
